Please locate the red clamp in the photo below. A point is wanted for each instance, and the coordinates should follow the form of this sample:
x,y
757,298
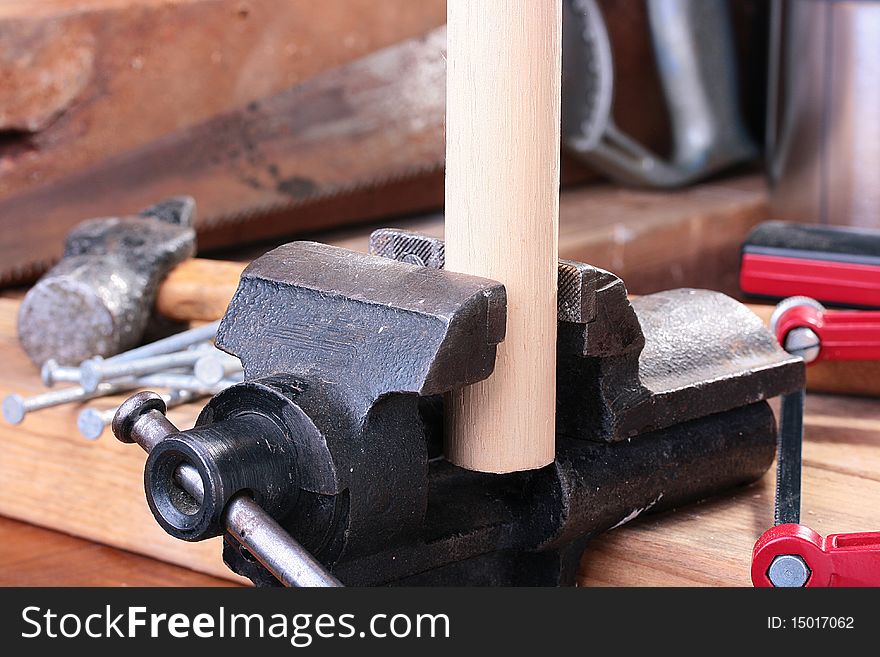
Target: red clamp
x,y
841,283
804,327
793,555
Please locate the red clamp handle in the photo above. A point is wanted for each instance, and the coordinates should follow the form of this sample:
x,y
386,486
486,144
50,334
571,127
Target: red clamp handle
x,y
842,335
794,555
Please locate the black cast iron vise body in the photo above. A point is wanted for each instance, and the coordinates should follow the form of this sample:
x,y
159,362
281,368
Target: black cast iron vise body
x,y
336,431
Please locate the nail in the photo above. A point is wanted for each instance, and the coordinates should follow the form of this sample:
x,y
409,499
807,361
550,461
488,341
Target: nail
x,y
176,342
93,372
178,381
16,407
211,369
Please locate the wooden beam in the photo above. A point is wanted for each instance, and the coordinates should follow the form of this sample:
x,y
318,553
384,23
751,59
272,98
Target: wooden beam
x,y
652,240
84,80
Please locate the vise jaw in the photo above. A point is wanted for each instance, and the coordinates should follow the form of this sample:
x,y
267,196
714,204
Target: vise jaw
x,y
346,359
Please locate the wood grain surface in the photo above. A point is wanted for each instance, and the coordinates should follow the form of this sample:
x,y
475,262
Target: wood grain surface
x,y
33,556
86,79
653,240
502,220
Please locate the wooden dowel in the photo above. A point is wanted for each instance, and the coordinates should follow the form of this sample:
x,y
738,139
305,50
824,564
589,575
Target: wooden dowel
x,y
502,216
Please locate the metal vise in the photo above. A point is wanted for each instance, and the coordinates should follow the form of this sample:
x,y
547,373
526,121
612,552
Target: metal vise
x,y
334,432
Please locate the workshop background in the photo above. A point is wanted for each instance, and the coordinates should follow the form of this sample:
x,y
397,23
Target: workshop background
x,y
294,119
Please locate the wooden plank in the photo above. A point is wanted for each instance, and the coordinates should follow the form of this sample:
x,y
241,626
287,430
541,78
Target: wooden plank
x,y
33,556
710,544
86,79
635,234
653,240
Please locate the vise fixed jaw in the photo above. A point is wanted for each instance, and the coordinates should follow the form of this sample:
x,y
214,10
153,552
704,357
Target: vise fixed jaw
x,y
346,357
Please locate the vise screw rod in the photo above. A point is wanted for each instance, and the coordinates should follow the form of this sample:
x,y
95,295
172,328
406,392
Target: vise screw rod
x,y
244,519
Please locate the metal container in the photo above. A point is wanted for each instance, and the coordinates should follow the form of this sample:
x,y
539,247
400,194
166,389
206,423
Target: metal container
x,y
823,126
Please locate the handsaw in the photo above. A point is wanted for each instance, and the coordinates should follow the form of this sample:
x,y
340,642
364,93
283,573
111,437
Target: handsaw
x,y
362,141
364,125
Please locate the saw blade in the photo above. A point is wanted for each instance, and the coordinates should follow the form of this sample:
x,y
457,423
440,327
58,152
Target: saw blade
x,y
367,124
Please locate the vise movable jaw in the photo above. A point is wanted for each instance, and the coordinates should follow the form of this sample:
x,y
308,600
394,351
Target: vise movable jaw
x,y
334,430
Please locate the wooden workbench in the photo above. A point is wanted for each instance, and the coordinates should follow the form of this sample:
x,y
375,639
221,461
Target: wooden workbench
x,y
51,476
708,543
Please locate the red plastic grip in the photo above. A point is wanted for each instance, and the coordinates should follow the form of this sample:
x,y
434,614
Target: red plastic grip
x,y
829,281
836,560
843,334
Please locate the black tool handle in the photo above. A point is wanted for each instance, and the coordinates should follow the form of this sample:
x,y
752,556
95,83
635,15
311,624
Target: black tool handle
x,y
788,458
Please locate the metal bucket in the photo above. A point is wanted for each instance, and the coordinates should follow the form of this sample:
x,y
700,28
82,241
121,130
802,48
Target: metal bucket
x,y
823,124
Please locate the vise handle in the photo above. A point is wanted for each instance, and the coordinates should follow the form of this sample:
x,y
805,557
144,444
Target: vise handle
x,y
141,419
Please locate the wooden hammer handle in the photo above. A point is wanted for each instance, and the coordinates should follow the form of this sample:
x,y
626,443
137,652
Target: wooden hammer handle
x,y
199,290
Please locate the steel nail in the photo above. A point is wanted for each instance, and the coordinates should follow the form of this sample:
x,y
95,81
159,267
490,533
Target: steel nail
x,y
92,372
51,373
171,344
211,369
179,381
16,407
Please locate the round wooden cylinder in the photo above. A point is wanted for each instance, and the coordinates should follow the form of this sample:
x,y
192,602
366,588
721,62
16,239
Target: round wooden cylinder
x,y
502,215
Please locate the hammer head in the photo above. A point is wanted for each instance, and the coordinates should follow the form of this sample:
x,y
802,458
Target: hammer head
x,y
97,300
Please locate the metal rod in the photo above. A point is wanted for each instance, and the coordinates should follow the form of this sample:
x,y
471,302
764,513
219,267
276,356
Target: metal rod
x,y
91,422
243,519
788,458
272,546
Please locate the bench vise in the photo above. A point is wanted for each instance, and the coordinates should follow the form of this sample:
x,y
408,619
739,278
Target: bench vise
x,y
325,465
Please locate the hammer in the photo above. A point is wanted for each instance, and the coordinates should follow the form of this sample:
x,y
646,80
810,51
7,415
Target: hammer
x,y
97,300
